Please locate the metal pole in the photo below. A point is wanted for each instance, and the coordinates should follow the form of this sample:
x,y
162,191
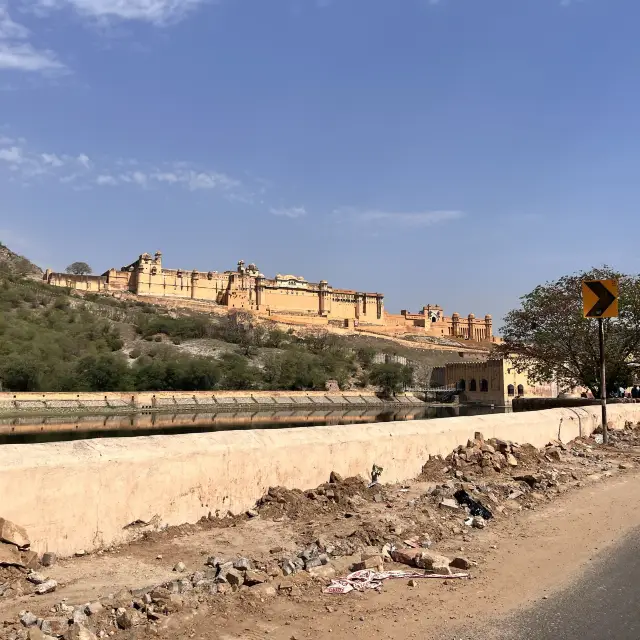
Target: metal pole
x,y
603,383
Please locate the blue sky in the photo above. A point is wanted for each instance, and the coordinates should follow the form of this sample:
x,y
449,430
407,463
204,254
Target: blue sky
x,y
455,151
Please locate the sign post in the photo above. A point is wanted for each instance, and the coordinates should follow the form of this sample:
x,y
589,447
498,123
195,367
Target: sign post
x,y
600,300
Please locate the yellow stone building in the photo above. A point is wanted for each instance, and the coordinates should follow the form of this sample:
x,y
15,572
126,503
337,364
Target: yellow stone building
x,y
494,382
281,298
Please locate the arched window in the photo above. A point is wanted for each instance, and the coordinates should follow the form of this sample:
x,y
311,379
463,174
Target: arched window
x,y
472,385
462,385
484,386
520,390
511,390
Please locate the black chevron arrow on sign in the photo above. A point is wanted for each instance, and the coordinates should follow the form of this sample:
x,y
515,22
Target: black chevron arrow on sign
x,y
605,299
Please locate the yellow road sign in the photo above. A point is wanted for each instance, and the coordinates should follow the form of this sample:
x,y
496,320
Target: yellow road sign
x,y
600,298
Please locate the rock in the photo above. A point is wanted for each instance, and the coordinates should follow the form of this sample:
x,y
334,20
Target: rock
x,y
54,626
312,562
184,585
80,552
405,556
180,567
10,555
93,608
325,572
487,448
530,479
433,562
234,577
128,618
214,561
553,453
264,589
197,576
450,504
30,559
625,465
36,578
252,577
335,478
46,587
28,619
426,541
478,436
511,460
78,631
13,534
252,513
36,634
479,523
515,494
79,616
460,563
372,562
48,559
412,583
288,567
242,564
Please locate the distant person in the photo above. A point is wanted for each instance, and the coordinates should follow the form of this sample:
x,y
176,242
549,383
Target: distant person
x,y
635,392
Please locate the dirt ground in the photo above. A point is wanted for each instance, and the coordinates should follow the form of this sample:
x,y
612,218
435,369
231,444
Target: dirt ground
x,y
576,500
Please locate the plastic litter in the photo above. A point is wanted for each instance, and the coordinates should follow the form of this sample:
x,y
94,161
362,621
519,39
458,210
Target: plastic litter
x,y
376,472
369,579
475,508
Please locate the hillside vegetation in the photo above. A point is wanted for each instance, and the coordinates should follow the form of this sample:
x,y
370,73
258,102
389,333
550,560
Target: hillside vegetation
x,y
52,339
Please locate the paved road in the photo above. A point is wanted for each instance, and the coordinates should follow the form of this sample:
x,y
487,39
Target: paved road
x,y
603,605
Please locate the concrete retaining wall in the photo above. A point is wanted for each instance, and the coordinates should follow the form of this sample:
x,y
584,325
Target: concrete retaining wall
x,y
81,494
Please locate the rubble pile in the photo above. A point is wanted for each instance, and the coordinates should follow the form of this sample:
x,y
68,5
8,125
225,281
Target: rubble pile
x,y
18,564
334,495
497,456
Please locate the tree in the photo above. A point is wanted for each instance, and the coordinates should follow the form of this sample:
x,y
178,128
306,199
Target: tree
x,y
78,269
391,377
549,339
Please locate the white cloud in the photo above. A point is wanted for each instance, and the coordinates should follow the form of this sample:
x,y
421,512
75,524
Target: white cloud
x,y
10,30
169,177
407,219
288,212
52,159
139,178
157,12
18,54
106,180
81,172
84,161
211,180
12,154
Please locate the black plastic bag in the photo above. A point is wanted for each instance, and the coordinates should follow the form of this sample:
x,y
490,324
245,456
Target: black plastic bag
x,y
475,508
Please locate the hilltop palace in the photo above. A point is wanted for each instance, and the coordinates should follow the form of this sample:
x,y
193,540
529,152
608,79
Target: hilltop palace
x,y
285,298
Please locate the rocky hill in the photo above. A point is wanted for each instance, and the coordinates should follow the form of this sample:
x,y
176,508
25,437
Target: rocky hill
x,y
54,339
16,265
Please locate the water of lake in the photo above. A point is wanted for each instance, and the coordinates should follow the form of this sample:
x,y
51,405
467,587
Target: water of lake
x,y
61,428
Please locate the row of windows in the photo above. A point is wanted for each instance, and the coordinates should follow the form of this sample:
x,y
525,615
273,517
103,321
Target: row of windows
x,y
484,387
